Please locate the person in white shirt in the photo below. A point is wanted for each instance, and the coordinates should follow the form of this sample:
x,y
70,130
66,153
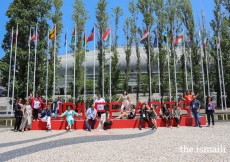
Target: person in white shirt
x,y
99,107
37,105
91,114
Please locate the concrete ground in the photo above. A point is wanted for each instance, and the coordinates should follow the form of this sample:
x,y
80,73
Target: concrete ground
x,y
164,144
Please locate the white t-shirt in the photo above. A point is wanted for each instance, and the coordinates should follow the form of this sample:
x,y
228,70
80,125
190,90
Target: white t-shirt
x,y
36,104
99,107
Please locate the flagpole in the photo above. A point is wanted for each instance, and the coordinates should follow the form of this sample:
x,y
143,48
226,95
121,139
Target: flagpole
x,y
85,69
35,60
110,94
15,57
221,65
11,46
103,93
94,61
47,64
66,64
185,63
175,71
207,71
28,73
218,60
158,64
202,67
74,73
54,62
150,79
191,71
170,95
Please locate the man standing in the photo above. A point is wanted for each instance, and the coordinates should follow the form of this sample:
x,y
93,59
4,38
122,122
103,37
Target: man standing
x,y
91,114
56,106
99,107
195,106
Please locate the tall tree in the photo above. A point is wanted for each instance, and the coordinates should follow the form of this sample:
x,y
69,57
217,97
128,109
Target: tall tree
x,y
118,12
80,16
27,13
102,20
133,9
128,49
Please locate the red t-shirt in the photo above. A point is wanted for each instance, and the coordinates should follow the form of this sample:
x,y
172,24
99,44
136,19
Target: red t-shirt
x,y
188,99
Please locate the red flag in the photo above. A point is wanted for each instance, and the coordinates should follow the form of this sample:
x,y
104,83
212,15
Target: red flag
x,y
91,36
180,37
145,36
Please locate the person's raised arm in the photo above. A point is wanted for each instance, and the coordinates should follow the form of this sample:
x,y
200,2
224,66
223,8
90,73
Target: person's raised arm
x,y
119,98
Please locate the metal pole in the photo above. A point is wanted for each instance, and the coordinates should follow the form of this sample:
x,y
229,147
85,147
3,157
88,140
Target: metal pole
x,y
159,79
150,76
35,60
170,95
218,60
185,65
221,65
175,71
47,70
85,69
66,64
28,73
11,50
94,62
15,57
190,57
74,71
110,88
207,71
103,93
54,63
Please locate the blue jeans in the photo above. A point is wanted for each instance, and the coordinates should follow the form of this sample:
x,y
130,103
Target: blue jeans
x,y
92,126
196,116
56,113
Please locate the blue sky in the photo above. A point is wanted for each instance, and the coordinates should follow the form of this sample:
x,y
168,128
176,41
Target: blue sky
x,y
67,10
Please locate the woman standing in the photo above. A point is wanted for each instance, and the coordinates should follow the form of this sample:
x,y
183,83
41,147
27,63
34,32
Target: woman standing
x,y
37,105
125,101
27,115
69,118
18,114
210,109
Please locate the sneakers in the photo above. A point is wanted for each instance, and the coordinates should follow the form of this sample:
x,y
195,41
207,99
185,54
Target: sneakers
x,y
139,127
200,126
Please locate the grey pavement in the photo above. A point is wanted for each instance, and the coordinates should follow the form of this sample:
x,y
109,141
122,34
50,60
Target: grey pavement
x,y
163,144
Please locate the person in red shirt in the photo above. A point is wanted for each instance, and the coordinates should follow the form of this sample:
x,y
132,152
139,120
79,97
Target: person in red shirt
x,y
188,97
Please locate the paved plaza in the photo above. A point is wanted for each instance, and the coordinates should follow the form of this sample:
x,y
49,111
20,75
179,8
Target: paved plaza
x,y
163,144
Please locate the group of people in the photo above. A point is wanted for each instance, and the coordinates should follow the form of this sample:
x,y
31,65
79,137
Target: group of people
x,y
25,113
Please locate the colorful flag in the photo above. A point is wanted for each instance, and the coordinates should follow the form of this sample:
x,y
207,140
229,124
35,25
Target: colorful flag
x,y
35,35
180,38
145,36
29,40
155,44
10,39
91,36
106,35
84,40
189,41
16,36
73,36
52,33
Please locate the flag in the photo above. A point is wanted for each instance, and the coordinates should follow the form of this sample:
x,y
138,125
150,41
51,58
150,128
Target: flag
x,y
65,38
189,41
205,43
218,42
106,35
52,33
35,35
16,36
155,44
91,36
73,36
84,40
180,38
10,39
145,36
